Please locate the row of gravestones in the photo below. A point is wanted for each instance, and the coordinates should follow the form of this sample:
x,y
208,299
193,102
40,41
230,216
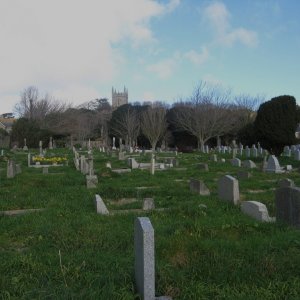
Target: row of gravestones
x,y
287,199
86,166
13,169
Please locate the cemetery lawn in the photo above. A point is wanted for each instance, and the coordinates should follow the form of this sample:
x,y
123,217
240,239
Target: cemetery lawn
x,y
204,248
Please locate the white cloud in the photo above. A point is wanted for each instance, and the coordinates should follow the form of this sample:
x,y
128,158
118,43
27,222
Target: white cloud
x,y
197,58
64,43
164,69
219,18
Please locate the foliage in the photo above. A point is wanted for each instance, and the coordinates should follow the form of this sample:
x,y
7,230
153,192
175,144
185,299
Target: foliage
x,y
276,123
29,129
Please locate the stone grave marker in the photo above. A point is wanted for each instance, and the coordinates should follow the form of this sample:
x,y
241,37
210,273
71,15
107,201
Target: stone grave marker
x,y
248,164
287,202
199,187
297,154
286,183
236,162
45,170
273,165
243,175
148,204
256,210
144,263
100,206
91,181
228,189
11,169
203,166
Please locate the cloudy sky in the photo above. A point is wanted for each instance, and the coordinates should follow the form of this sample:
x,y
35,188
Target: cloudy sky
x,y
159,49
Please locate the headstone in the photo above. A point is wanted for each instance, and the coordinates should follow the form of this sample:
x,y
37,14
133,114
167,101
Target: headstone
x,y
121,155
273,165
100,206
11,169
148,204
41,148
297,154
248,164
18,169
152,167
243,175
254,152
199,187
91,181
108,165
223,160
286,183
256,210
132,163
287,202
203,166
236,162
45,170
289,167
228,189
114,143
25,148
264,164
214,158
29,159
51,143
247,151
144,264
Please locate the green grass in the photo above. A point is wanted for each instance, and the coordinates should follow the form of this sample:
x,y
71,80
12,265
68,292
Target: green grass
x,y
69,252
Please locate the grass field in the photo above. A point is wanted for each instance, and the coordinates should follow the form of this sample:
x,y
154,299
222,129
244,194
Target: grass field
x,y
67,251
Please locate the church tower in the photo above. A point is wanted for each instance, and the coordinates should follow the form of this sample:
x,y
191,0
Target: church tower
x,y
119,98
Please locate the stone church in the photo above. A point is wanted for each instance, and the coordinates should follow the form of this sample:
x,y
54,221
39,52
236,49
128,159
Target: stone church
x,y
119,98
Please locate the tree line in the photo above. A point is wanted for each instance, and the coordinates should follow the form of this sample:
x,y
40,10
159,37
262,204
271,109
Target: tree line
x,y
210,115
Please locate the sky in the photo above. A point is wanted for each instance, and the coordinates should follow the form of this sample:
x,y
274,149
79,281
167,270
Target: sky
x,y
160,50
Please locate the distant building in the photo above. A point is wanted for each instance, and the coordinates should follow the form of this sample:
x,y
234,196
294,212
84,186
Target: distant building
x,y
118,98
6,121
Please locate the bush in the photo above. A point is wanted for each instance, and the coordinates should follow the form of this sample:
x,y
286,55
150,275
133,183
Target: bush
x,y
276,123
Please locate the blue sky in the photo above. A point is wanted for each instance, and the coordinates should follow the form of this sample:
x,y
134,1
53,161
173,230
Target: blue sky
x,y
159,50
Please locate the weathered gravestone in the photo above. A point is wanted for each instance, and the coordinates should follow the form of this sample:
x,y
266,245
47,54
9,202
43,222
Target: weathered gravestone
x,y
248,164
228,189
121,155
256,210
91,181
133,163
286,183
203,166
287,201
11,169
144,263
273,165
18,169
100,206
45,170
243,175
148,204
214,158
236,162
297,154
199,187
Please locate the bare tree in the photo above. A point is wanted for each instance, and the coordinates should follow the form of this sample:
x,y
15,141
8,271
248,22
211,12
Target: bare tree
x,y
126,125
154,124
31,106
206,114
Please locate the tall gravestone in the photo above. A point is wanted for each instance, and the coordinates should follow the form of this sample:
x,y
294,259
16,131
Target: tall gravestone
x,y
287,201
11,169
228,189
273,165
144,266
